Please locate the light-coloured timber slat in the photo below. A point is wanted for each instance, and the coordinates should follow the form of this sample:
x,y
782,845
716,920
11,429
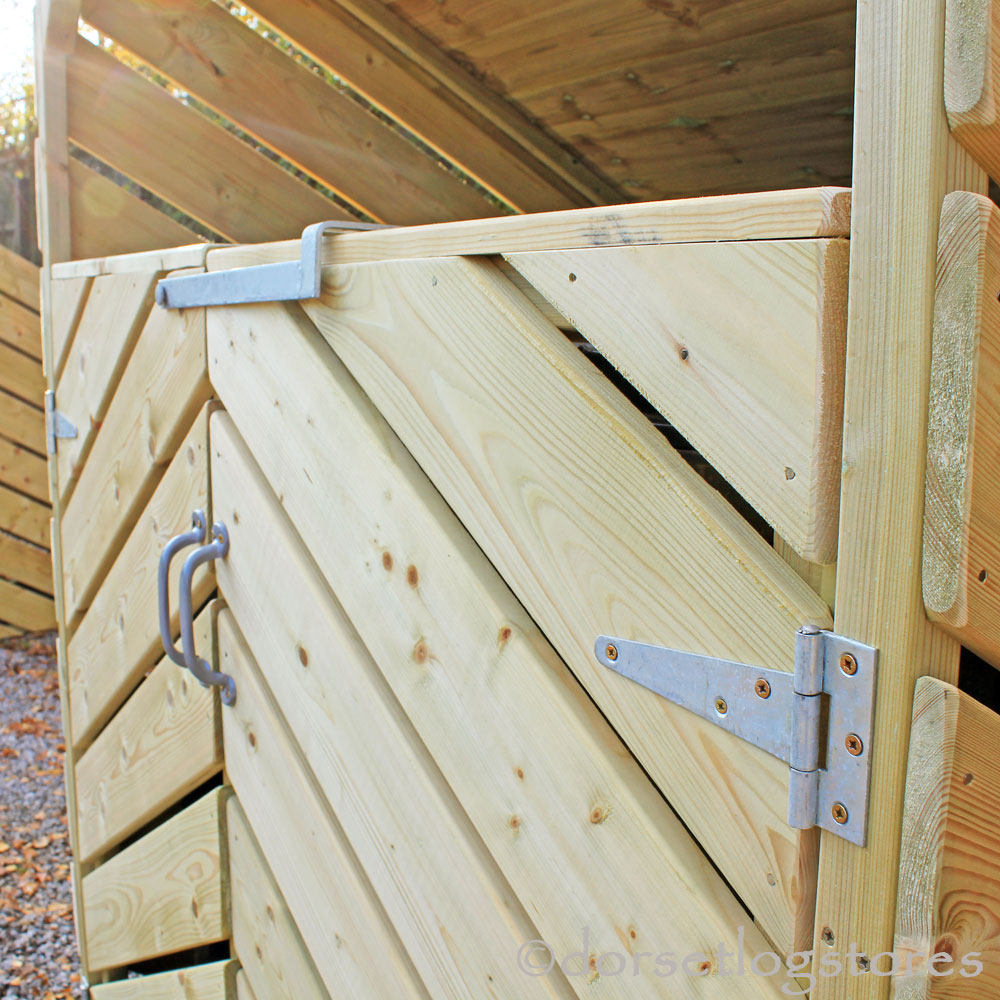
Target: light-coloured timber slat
x,y
948,906
972,78
807,213
67,300
107,219
21,375
595,522
961,554
214,981
24,608
822,577
521,785
19,278
22,423
165,741
320,879
208,173
740,346
630,575
24,517
449,903
119,637
208,53
9,631
515,160
904,163
265,938
20,327
244,991
23,470
166,892
168,259
116,310
26,563
157,399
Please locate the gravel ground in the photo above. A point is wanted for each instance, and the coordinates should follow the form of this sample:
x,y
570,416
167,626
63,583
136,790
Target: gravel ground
x,y
37,941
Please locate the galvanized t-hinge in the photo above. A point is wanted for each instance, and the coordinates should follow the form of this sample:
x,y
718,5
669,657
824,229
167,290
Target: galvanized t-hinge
x,y
56,425
818,719
286,281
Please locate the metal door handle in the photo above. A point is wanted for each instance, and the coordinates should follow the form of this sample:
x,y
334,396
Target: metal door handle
x,y
201,669
198,533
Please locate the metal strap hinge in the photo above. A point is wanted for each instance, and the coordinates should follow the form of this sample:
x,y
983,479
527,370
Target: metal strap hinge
x,y
818,719
56,425
286,281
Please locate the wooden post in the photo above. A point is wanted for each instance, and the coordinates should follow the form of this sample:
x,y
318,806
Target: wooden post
x,y
905,161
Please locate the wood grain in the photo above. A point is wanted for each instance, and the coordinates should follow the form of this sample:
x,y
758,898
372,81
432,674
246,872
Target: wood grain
x,y
168,259
23,471
22,423
19,278
20,327
265,938
118,639
166,892
165,741
949,872
21,375
321,879
24,608
961,553
67,299
26,563
215,981
22,516
113,317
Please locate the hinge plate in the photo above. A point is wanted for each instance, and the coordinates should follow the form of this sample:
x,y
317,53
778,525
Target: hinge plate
x,y
56,425
286,281
818,719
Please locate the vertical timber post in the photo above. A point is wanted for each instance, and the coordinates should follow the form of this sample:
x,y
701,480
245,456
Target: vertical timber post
x,y
905,161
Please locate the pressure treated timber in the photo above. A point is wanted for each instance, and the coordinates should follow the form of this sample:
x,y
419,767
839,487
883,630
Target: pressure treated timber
x,y
25,608
509,156
905,162
164,386
165,741
169,259
107,219
590,491
949,884
210,54
19,278
321,881
265,937
28,564
113,317
451,906
243,989
118,639
19,327
23,471
67,300
215,981
808,213
22,423
22,516
287,439
521,785
7,631
971,72
21,375
118,116
961,554
166,892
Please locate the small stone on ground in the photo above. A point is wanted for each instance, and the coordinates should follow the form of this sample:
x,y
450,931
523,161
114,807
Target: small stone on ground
x,y
38,956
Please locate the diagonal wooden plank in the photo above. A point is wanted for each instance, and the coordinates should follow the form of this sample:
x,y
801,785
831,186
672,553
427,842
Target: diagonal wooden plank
x,y
21,375
596,523
22,516
112,319
688,325
67,300
209,54
21,423
24,608
117,115
23,471
20,327
26,563
214,981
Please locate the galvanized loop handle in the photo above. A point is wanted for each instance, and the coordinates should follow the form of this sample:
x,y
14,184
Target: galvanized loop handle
x,y
198,533
201,669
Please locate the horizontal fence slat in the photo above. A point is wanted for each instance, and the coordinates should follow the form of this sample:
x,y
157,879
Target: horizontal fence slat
x,y
166,892
23,470
24,608
164,742
24,517
22,423
214,981
26,563
19,278
20,327
21,375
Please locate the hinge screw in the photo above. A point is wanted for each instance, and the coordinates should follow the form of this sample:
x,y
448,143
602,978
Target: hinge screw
x,y
611,652
762,688
839,813
848,664
854,745
720,706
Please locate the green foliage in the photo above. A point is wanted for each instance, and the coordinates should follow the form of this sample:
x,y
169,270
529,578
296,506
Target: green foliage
x,y
17,110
